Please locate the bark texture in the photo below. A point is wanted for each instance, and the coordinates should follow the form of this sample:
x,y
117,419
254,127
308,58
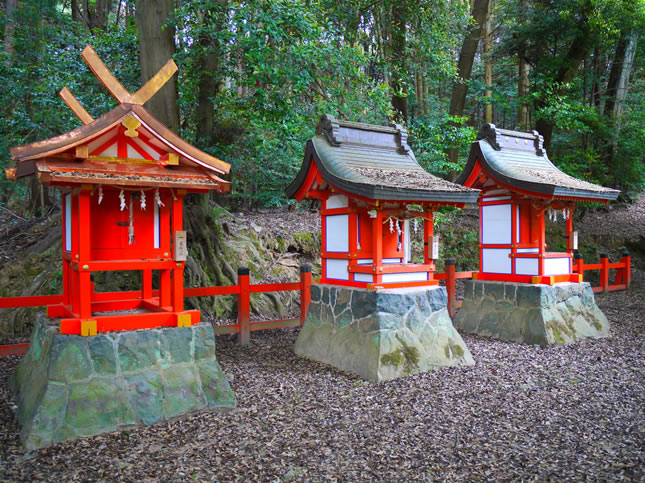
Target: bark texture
x,y
157,46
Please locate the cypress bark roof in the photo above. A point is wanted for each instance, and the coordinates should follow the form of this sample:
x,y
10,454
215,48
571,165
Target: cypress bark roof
x,y
519,160
374,162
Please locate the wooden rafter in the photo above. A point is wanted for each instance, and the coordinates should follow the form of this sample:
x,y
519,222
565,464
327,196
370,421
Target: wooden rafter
x,y
75,106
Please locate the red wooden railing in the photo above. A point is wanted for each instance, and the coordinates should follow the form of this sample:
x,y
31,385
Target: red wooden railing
x,y
623,272
244,289
450,277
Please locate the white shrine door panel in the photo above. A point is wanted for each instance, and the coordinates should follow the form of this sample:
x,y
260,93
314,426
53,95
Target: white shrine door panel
x,y
496,224
337,233
496,260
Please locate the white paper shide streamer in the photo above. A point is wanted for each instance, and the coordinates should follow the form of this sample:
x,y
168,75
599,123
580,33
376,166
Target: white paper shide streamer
x,y
158,198
122,200
143,201
100,193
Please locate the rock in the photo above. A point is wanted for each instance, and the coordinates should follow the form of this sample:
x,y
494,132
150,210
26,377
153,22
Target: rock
x,y
532,314
381,335
69,386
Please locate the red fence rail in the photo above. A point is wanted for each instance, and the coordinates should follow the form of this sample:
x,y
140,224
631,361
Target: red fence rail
x,y
244,326
623,272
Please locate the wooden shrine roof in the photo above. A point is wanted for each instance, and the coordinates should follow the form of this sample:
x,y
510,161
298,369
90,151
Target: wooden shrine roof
x,y
519,160
373,162
126,146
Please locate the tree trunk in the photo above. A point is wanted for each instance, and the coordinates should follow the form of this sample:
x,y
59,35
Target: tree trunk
x,y
577,52
210,77
623,82
157,46
9,29
465,64
398,85
614,74
488,74
76,13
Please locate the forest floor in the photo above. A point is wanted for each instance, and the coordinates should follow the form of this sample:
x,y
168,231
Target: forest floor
x,y
574,412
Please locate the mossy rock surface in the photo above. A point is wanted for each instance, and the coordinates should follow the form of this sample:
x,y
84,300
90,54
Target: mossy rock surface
x,y
532,314
381,335
69,386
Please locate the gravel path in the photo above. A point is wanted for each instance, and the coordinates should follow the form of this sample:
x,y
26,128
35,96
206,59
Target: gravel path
x,y
574,412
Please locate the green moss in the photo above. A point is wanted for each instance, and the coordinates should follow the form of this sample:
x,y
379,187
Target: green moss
x,y
394,358
453,350
407,356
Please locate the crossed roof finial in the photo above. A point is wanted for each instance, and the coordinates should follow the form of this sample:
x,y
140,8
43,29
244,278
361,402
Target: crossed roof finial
x,y
113,85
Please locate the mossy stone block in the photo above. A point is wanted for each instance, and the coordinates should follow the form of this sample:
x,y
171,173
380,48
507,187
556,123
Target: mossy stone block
x,y
145,394
68,359
215,386
182,390
103,354
141,349
97,404
179,342
204,341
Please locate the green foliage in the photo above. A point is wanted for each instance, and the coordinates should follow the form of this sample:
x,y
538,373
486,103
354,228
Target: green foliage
x,y
430,136
46,59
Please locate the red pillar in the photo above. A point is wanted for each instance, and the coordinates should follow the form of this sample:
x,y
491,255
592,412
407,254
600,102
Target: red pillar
x,y
244,306
178,272
579,265
627,260
604,272
84,277
305,291
377,246
451,287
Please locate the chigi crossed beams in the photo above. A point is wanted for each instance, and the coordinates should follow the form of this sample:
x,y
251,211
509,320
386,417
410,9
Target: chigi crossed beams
x,y
105,170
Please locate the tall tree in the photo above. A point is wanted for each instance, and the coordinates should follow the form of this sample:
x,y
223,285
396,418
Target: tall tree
x,y
210,75
465,64
399,61
157,46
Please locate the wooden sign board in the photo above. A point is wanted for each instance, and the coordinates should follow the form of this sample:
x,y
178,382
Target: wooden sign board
x,y
574,240
180,248
433,247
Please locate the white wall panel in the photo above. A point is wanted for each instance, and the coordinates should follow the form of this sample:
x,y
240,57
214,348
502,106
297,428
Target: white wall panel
x,y
556,266
337,201
337,269
526,266
405,277
496,224
68,222
363,277
337,233
528,250
496,260
368,261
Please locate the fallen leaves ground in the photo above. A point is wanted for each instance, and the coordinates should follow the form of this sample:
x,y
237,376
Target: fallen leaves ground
x,y
574,412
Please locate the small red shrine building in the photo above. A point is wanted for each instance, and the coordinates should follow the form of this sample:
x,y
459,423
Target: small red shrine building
x,y
122,178
372,192
519,186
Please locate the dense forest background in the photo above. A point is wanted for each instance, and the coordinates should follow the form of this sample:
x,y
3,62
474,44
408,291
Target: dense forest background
x,y
255,76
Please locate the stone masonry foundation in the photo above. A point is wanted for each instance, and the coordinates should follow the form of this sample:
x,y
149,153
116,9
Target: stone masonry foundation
x,y
70,386
381,335
532,314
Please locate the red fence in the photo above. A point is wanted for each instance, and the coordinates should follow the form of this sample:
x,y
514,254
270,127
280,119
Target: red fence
x,y
244,326
623,272
244,289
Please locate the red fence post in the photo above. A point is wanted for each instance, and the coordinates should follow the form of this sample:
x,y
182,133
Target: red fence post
x,y
604,272
450,286
305,291
244,306
579,265
627,260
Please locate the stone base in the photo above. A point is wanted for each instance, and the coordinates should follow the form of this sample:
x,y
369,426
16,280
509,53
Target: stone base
x,y
381,335
532,314
69,386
